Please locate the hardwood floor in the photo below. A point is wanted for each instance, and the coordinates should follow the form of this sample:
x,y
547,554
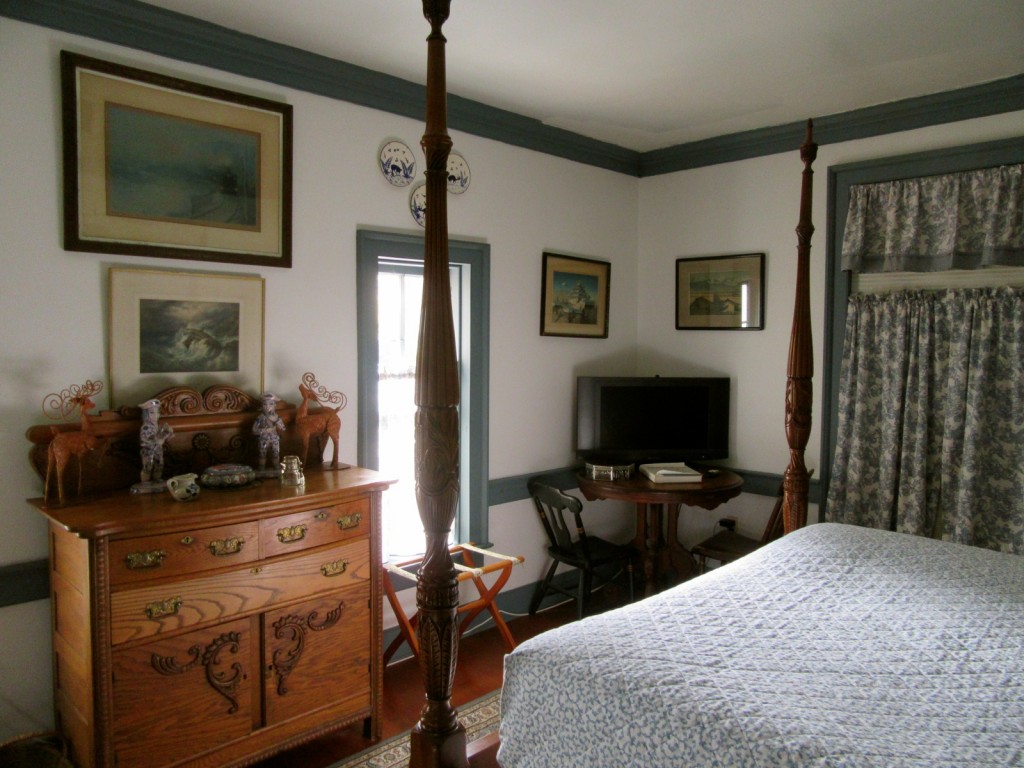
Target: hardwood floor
x,y
479,671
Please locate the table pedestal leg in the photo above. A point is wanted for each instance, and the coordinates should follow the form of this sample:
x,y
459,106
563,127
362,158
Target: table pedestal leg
x,y
657,537
649,540
679,556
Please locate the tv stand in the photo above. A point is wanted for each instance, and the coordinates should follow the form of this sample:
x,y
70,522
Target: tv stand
x,y
657,510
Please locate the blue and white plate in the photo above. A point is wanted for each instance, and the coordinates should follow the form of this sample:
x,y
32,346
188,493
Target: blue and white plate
x,y
458,174
418,203
397,163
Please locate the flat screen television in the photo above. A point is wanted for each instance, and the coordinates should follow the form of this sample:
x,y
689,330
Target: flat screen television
x,y
628,419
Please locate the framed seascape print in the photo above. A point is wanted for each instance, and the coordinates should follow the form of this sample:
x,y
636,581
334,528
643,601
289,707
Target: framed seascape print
x,y
183,328
156,166
574,297
720,293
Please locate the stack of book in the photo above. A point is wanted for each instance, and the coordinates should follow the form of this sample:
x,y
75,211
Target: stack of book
x,y
671,472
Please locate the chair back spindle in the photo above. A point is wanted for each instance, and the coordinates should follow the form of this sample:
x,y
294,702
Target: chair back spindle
x,y
586,553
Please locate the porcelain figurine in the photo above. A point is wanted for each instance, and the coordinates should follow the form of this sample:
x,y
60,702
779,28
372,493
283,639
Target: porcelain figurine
x,y
152,437
267,428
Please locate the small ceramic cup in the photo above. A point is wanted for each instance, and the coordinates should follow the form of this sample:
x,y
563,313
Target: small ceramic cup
x,y
183,487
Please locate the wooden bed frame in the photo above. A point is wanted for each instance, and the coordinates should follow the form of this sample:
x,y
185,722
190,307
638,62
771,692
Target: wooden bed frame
x,y
438,739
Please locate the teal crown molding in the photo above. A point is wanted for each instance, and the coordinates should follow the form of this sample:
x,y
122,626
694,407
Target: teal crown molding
x,y
137,25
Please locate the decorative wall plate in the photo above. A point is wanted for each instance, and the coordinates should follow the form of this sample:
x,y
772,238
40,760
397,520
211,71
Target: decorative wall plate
x,y
458,174
418,203
397,163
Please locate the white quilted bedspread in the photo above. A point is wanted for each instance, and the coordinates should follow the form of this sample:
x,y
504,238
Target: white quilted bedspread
x,y
834,646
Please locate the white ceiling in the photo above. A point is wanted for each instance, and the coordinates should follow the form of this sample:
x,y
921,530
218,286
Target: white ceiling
x,y
647,74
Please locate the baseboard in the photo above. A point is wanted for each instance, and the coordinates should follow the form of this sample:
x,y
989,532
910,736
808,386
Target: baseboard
x,y
24,582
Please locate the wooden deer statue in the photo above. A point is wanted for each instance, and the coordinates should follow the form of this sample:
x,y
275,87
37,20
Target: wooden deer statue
x,y
324,421
64,445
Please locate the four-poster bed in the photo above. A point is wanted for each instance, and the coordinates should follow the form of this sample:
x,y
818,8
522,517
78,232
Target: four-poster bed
x,y
835,645
438,739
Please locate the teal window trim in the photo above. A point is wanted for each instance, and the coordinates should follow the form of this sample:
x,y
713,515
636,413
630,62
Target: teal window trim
x,y
371,247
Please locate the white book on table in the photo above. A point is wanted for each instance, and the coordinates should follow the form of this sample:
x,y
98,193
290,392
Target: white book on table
x,y
671,472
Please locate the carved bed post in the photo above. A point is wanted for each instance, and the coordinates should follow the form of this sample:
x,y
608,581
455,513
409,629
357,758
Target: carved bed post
x,y
438,739
799,395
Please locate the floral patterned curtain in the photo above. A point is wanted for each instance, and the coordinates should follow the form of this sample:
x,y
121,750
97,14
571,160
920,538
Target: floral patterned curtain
x,y
955,221
931,416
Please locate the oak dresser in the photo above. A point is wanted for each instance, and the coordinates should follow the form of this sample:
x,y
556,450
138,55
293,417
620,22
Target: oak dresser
x,y
217,631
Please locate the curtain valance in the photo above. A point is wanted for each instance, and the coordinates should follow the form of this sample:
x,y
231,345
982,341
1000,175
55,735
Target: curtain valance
x,y
954,221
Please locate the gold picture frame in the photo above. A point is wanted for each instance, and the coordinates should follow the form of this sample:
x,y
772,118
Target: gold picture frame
x,y
574,296
720,293
157,166
183,328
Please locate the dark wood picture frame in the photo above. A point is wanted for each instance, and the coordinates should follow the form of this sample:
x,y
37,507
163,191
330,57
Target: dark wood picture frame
x,y
574,296
157,166
720,293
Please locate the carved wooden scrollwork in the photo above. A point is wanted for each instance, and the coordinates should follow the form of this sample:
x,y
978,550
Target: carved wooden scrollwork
x,y
294,628
225,683
209,427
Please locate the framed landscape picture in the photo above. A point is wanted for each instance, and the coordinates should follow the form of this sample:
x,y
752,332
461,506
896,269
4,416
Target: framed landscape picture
x,y
156,166
720,293
574,296
183,328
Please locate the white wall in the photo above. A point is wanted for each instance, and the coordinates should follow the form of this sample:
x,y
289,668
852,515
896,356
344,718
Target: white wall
x,y
746,207
53,303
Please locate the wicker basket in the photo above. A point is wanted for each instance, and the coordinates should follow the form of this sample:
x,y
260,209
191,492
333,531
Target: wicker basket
x,y
35,750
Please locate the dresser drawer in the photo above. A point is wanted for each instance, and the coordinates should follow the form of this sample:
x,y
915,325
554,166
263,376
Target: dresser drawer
x,y
173,554
168,607
314,527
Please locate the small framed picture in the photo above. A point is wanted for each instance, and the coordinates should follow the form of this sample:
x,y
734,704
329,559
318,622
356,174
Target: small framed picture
x,y
720,293
574,297
156,166
183,328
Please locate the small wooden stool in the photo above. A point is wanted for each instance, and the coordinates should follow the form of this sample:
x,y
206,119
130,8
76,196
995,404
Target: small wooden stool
x,y
467,570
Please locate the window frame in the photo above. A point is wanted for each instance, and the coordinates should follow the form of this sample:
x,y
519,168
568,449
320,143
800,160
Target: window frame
x,y
838,281
471,523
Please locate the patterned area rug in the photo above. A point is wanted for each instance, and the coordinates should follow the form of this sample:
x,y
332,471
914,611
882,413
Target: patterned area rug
x,y
480,717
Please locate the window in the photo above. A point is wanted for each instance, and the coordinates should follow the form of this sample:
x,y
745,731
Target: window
x,y
389,272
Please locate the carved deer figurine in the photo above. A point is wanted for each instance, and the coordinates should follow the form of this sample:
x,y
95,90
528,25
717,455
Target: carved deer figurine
x,y
321,422
64,445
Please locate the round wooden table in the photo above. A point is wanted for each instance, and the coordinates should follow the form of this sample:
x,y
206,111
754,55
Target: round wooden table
x,y
657,510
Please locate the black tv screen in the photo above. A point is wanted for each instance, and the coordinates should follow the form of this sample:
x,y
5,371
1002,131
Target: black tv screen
x,y
648,419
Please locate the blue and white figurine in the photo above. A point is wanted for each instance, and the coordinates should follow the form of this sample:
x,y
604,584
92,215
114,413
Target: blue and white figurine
x,y
267,427
152,437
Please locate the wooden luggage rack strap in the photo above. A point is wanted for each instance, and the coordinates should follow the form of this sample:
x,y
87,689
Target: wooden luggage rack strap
x,y
467,570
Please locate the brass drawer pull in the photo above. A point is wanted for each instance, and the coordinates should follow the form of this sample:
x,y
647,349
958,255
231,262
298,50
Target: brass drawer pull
x,y
294,533
231,546
136,561
163,608
347,522
334,569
